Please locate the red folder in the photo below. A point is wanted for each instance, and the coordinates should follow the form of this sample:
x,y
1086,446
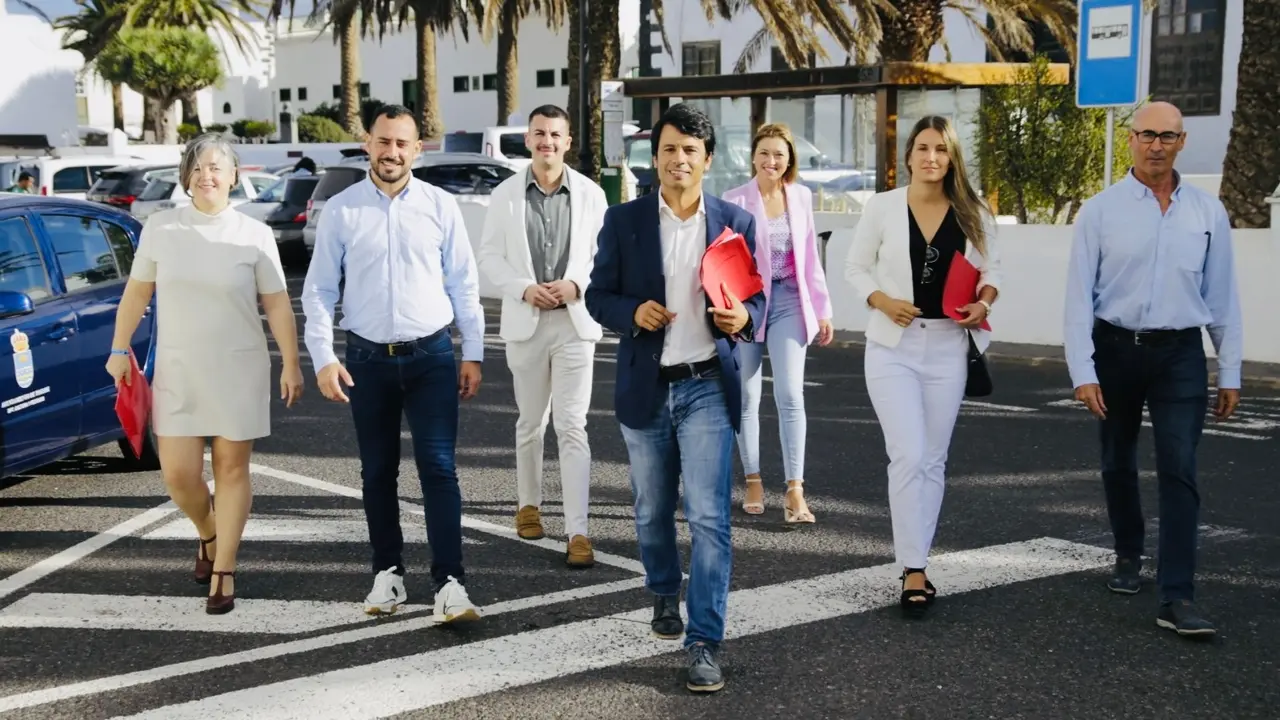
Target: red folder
x,y
728,260
133,405
961,288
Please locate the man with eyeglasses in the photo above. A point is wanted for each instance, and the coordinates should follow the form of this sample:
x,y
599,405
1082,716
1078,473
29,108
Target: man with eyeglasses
x,y
1152,264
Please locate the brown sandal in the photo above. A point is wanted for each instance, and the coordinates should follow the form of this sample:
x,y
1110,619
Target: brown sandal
x,y
219,604
204,563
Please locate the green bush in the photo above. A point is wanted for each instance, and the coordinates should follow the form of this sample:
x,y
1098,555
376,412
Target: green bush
x,y
317,129
216,128
186,131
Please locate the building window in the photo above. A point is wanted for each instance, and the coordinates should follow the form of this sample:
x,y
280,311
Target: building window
x,y
545,78
302,94
491,81
364,91
461,83
337,92
409,93
564,76
226,108
701,58
1186,54
285,94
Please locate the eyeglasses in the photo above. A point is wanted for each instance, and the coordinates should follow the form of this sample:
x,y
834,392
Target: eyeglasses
x,y
930,257
1167,137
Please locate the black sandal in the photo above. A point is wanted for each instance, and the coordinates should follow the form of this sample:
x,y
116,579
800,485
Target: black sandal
x,y
912,606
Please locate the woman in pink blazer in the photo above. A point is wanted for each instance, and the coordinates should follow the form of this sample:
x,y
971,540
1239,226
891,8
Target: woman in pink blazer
x,y
798,311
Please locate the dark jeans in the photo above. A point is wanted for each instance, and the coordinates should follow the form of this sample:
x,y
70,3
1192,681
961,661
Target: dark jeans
x,y
1170,376
423,385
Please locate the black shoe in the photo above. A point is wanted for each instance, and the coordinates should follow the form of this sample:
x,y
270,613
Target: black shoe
x,y
1126,579
1181,617
666,617
704,671
915,602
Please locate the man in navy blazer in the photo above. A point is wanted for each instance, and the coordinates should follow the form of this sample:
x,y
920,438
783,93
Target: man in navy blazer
x,y
678,395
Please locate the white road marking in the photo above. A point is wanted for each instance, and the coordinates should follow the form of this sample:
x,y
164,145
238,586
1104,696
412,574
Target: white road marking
x,y
315,530
434,678
1240,425
467,522
201,665
993,406
181,614
83,549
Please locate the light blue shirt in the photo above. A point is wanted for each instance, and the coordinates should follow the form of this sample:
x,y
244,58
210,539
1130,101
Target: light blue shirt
x,y
408,265
1142,270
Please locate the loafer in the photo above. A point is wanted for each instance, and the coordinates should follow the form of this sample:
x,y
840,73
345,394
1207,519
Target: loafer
x,y
1126,579
1181,617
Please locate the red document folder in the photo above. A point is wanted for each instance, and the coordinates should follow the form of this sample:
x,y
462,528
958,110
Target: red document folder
x,y
961,288
728,260
133,406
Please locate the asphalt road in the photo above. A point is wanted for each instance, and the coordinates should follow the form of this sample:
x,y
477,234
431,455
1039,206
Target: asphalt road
x,y
99,619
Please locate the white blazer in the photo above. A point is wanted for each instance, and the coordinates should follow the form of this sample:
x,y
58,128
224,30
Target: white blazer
x,y
880,259
504,255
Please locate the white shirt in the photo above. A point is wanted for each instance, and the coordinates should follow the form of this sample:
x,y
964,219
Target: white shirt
x,y
687,339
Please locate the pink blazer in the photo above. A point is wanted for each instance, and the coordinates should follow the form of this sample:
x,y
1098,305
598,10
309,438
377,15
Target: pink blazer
x,y
811,278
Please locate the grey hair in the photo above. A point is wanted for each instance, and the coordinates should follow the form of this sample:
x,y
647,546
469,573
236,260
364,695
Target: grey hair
x,y
196,148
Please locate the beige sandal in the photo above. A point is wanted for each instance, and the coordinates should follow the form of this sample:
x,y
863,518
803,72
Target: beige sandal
x,y
790,515
754,508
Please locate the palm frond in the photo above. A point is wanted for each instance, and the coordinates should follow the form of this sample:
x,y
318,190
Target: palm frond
x,y
794,26
26,5
1010,29
751,51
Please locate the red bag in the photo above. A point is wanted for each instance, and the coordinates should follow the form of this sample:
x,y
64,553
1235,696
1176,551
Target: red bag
x,y
133,406
728,260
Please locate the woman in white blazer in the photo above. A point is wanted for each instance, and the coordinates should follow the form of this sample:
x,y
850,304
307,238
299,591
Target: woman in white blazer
x,y
916,361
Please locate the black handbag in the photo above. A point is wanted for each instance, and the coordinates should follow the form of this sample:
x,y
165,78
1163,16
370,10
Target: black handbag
x,y
978,383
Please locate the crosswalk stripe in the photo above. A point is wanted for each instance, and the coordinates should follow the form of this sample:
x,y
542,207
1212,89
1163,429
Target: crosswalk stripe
x,y
293,530
434,678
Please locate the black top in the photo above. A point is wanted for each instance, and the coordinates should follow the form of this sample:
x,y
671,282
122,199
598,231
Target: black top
x,y
930,262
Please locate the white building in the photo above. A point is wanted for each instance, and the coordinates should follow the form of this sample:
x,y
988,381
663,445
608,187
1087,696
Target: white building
x,y
1195,45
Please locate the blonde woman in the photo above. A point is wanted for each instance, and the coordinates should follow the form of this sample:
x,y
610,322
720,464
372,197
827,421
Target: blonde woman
x,y
209,266
917,358
798,312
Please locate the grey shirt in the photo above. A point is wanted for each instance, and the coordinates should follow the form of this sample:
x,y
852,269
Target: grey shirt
x,y
546,225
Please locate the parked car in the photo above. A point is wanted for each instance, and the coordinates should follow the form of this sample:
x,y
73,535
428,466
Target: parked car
x,y
283,207
121,186
165,192
63,268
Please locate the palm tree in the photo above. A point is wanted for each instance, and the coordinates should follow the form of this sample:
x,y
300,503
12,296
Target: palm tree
x,y
504,17
88,32
342,15
1250,170
27,5
431,18
918,25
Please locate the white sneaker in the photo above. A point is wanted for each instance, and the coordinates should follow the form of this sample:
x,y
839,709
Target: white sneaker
x,y
387,594
453,605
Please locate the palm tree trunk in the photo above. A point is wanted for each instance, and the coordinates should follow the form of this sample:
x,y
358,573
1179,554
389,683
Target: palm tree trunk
x,y
349,70
162,118
508,61
428,93
603,63
1251,168
912,33
117,106
572,105
191,111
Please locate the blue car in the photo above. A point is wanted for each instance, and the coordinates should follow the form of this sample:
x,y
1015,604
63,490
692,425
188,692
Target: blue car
x,y
63,268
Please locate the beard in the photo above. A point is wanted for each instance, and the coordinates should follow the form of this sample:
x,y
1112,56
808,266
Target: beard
x,y
390,174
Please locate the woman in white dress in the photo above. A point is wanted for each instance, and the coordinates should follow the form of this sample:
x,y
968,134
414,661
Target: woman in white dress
x,y
209,266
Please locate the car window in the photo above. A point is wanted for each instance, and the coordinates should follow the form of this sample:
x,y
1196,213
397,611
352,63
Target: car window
x,y
70,180
639,153
335,181
512,145
464,178
159,190
82,250
121,246
238,192
463,142
273,192
262,182
299,190
21,267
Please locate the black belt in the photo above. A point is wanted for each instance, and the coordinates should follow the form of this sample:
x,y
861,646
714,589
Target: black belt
x,y
1145,337
684,371
392,349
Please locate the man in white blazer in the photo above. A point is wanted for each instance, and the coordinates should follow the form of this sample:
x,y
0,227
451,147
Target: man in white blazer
x,y
538,247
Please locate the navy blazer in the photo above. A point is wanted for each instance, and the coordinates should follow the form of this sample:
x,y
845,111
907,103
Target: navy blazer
x,y
627,273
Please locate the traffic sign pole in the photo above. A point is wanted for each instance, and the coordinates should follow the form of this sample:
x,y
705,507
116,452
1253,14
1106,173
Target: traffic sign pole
x,y
1108,62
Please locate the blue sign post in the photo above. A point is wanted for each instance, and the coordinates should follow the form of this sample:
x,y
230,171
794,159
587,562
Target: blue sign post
x,y
1108,60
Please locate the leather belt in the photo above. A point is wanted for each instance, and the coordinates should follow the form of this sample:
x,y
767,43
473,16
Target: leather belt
x,y
684,371
1145,337
398,349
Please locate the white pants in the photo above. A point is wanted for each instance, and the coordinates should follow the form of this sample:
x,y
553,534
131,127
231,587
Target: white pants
x,y
916,389
552,375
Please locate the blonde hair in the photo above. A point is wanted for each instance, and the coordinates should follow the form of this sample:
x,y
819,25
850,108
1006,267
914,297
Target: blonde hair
x,y
783,133
969,206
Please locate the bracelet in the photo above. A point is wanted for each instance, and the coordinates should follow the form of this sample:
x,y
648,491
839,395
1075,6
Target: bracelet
x,y
986,305
114,351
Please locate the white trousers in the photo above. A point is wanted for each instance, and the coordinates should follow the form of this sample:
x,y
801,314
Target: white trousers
x,y
916,389
552,374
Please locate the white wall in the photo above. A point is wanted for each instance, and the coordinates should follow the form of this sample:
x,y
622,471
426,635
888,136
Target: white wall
x,y
38,82
1033,265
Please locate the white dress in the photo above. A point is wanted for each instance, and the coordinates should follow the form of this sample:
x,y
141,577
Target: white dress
x,y
213,370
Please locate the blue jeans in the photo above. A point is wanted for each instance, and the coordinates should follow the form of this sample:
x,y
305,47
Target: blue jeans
x,y
423,386
1171,378
787,345
690,437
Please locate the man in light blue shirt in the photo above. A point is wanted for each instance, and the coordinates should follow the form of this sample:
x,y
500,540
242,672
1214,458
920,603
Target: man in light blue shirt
x,y
402,249
1151,265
